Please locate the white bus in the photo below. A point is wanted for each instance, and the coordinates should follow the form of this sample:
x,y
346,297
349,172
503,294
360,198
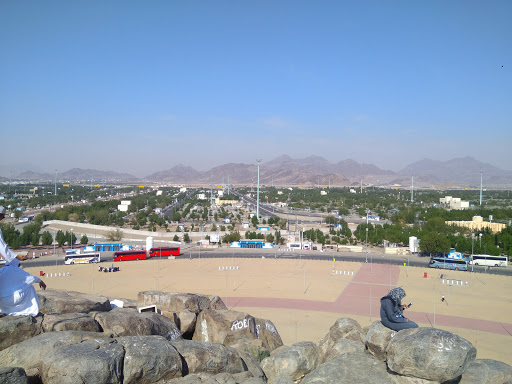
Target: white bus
x,y
492,261
83,258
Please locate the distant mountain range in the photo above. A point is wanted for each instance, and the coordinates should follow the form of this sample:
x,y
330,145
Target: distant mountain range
x,y
308,171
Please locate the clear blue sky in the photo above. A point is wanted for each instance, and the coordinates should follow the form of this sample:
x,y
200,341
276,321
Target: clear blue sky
x,y
141,86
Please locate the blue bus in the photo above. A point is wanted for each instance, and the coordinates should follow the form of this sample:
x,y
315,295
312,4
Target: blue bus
x,y
449,263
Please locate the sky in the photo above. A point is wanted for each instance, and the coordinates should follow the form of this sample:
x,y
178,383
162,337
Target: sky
x,y
142,86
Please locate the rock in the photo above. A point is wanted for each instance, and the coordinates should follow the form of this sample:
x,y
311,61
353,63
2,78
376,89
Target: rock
x,y
58,301
15,329
13,375
399,379
185,320
149,359
253,366
377,339
211,358
294,361
283,379
487,372
28,353
253,380
70,322
92,361
429,353
350,369
236,329
128,322
177,302
126,303
342,347
193,379
268,334
343,328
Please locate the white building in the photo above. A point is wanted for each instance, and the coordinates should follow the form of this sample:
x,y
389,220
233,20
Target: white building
x,y
454,202
123,207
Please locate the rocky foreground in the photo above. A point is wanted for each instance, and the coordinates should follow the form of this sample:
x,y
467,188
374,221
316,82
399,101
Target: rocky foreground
x,y
194,338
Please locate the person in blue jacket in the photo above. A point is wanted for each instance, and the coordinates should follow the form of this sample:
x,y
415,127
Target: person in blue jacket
x,y
392,309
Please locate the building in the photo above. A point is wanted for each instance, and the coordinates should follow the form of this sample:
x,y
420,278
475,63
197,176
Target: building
x,y
454,202
123,207
478,224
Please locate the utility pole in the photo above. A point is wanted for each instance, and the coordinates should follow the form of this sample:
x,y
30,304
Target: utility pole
x,y
480,188
211,189
258,193
412,188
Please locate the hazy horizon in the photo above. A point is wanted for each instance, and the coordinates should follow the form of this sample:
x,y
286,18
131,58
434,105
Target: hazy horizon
x,y
140,87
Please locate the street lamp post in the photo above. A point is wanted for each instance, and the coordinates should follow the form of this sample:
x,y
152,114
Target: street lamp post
x,y
472,251
367,236
71,238
366,244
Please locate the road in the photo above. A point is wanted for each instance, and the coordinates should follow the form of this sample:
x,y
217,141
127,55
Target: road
x,y
195,253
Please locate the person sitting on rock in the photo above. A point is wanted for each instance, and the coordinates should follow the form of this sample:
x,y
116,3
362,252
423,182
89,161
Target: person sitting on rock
x,y
391,311
18,297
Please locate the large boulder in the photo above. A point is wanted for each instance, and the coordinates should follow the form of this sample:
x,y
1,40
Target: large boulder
x,y
149,359
185,320
342,347
92,361
343,328
70,322
349,369
28,353
377,339
13,375
210,358
58,301
429,353
487,372
15,329
399,379
129,322
237,329
177,302
294,361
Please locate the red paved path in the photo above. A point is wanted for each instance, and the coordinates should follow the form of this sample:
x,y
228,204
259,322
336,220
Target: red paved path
x,y
362,297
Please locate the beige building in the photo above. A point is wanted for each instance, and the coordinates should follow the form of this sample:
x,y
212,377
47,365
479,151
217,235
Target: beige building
x,y
454,202
218,201
478,224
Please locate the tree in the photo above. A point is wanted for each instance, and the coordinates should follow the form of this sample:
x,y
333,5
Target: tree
x,y
176,216
70,238
433,242
186,238
231,237
61,238
84,239
116,235
34,240
46,238
175,238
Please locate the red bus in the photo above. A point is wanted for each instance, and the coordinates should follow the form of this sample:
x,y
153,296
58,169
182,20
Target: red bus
x,y
164,251
129,255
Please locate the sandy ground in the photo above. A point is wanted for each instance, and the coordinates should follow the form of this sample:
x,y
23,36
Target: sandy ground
x,y
468,296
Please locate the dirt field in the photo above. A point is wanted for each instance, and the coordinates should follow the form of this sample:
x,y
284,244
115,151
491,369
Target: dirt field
x,y
304,298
